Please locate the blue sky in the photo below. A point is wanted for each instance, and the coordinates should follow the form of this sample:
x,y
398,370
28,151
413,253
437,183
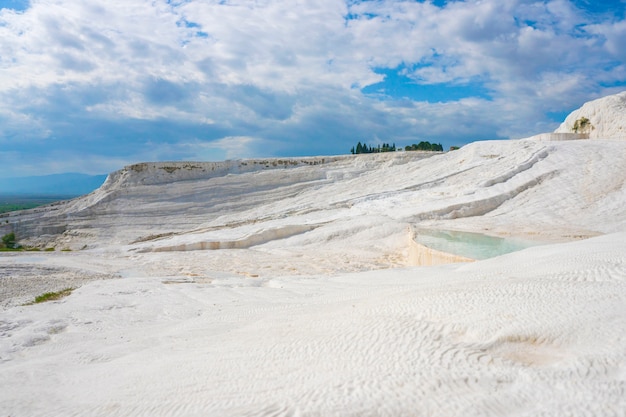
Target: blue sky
x,y
92,86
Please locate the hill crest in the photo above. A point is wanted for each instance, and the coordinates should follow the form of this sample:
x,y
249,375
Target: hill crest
x,y
606,118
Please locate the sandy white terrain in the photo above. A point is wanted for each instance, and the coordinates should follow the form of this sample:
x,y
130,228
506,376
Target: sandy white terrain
x,y
296,287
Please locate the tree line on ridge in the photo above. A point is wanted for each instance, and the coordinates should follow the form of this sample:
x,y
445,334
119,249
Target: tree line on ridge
x,y
385,147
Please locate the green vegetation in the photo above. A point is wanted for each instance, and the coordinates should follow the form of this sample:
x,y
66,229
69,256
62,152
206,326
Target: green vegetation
x,y
363,148
24,202
51,296
9,244
8,241
4,249
6,207
385,147
581,125
425,146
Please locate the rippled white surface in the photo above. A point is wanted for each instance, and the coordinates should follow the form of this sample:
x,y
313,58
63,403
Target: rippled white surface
x,y
286,292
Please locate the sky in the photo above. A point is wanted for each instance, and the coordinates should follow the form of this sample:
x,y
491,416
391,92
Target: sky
x,y
91,86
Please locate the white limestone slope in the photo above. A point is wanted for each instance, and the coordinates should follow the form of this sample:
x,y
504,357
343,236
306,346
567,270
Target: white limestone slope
x,y
287,290
606,115
499,187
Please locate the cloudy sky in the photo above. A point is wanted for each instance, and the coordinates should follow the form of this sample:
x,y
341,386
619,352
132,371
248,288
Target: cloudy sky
x,y
89,85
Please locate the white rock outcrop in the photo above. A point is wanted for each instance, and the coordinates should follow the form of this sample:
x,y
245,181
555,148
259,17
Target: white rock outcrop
x,y
606,118
285,287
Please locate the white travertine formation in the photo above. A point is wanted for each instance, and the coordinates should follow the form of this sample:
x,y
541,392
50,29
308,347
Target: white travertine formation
x,y
606,115
289,288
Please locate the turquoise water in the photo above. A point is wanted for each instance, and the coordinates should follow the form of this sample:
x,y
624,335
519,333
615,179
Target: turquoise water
x,y
470,245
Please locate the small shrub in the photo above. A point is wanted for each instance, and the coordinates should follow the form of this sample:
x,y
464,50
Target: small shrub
x,y
51,296
8,240
581,125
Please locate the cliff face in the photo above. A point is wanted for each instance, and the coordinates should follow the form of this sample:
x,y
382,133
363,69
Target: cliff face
x,y
606,118
139,197
483,182
569,188
154,173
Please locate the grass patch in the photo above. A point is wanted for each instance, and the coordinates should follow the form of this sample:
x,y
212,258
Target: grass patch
x,y
10,203
7,207
25,249
51,296
10,249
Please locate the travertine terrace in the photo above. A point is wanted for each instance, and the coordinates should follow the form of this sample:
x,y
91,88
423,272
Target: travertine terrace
x,y
290,287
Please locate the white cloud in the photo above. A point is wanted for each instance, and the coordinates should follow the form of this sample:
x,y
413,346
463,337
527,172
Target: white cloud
x,y
612,37
234,147
288,73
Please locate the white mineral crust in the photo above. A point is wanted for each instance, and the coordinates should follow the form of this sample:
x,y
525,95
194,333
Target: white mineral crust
x,y
292,288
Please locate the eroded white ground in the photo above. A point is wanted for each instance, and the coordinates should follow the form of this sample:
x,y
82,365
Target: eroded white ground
x,y
290,291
